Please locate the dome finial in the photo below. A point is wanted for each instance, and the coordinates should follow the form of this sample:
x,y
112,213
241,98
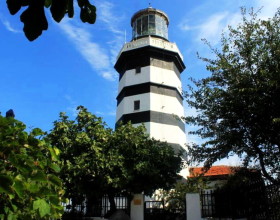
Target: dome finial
x,y
150,5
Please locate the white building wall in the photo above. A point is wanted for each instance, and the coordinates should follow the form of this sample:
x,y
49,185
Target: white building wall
x,y
165,77
137,207
131,78
150,74
193,206
164,132
166,104
169,133
152,41
127,104
150,101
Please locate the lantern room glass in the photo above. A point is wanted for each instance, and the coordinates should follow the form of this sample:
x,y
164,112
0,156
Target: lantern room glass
x,y
150,24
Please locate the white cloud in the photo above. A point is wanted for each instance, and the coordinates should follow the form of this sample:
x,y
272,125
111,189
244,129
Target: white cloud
x,y
184,25
111,21
108,17
8,25
73,111
97,56
269,7
211,26
69,99
233,160
91,51
109,75
215,25
101,58
110,113
72,108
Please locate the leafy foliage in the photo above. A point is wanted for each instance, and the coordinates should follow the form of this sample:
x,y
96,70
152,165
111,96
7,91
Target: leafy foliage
x,y
176,198
146,164
98,161
34,17
81,143
29,186
238,105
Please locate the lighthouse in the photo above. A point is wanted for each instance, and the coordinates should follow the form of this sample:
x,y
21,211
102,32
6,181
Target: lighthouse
x,y
150,88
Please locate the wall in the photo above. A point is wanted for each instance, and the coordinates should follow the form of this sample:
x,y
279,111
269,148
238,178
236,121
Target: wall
x,y
137,207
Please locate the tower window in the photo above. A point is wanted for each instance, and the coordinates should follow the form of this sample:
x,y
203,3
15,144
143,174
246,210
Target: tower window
x,y
145,25
138,69
137,105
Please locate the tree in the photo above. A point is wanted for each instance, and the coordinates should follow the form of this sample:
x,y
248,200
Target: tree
x,y
147,164
238,105
97,160
34,17
81,142
144,164
29,186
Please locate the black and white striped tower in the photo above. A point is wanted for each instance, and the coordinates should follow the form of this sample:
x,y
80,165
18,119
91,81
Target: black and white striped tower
x,y
149,70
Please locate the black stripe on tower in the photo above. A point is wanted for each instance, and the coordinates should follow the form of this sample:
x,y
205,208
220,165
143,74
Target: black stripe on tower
x,y
149,88
152,116
144,57
178,149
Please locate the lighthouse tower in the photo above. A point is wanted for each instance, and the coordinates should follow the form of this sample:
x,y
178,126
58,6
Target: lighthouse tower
x,y
150,90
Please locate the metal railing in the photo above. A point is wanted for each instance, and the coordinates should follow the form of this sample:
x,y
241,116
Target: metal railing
x,y
97,208
254,203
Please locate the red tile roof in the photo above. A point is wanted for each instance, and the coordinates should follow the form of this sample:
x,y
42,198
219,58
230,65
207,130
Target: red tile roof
x,y
213,171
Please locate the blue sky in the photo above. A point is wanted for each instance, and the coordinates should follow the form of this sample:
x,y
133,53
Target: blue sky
x,y
72,63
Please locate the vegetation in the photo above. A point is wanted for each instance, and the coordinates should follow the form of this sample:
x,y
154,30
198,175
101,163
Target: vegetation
x,y
29,186
176,197
238,105
34,18
93,160
98,161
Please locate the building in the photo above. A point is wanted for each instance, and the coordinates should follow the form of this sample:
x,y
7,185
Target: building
x,y
150,89
216,176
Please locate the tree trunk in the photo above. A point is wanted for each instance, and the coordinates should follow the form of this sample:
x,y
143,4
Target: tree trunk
x,y
263,168
113,207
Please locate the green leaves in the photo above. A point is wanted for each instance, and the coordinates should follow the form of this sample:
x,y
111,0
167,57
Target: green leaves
x,y
34,18
42,206
80,143
19,188
143,164
5,183
95,157
54,180
55,167
28,172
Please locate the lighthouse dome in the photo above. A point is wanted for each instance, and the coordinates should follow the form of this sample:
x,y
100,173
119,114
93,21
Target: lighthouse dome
x,y
149,22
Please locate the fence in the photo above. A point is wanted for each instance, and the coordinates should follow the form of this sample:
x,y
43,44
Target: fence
x,y
273,195
156,210
122,203
252,203
208,205
95,207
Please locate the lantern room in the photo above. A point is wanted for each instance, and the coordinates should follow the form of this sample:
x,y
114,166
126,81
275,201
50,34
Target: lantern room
x,y
149,22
